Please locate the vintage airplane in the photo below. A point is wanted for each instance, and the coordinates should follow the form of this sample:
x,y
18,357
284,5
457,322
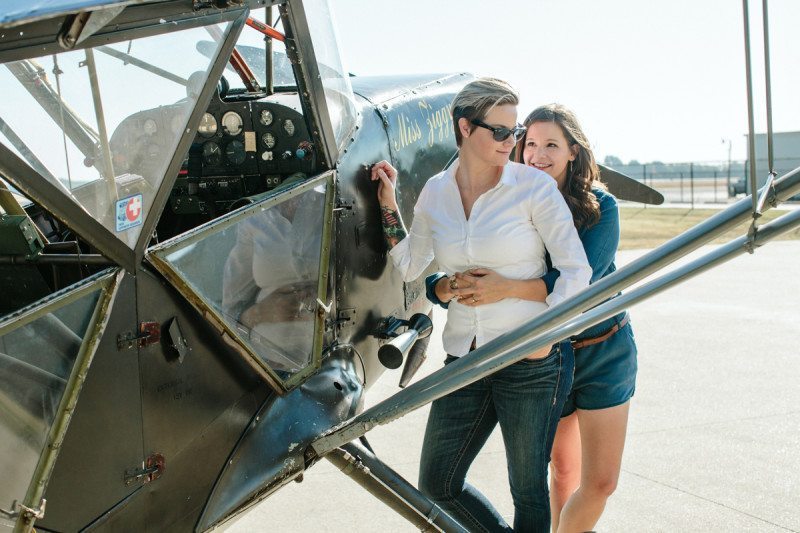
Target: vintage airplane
x,y
196,294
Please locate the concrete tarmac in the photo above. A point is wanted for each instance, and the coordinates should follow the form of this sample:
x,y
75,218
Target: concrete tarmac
x,y
714,435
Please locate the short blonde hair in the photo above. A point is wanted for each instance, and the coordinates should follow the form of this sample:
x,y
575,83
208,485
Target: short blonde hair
x,y
477,98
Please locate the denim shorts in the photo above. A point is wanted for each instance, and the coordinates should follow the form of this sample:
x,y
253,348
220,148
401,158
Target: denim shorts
x,y
605,373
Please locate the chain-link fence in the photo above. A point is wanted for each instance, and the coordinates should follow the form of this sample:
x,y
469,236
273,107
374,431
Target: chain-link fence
x,y
702,182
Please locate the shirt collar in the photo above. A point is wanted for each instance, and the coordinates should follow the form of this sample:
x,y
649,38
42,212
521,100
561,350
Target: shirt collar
x,y
508,177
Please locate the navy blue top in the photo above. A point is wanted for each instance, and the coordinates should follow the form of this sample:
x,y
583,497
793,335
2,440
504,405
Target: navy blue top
x,y
600,241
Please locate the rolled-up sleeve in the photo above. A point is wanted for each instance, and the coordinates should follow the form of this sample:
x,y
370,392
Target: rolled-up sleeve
x,y
415,252
553,220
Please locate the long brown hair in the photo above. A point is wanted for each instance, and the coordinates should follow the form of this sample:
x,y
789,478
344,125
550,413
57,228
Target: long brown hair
x,y
582,173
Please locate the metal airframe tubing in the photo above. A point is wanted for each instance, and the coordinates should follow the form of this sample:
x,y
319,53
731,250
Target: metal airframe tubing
x,y
410,398
702,264
23,149
144,65
751,141
768,83
391,488
171,172
108,166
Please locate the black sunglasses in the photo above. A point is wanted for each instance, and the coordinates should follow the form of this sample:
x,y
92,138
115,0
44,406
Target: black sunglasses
x,y
502,133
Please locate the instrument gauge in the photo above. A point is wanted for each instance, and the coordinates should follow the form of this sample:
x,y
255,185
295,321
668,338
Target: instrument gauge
x,y
288,127
265,117
269,140
212,154
150,127
235,152
208,125
232,123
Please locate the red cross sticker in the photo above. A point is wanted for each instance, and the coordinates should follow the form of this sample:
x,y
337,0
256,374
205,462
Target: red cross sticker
x,y
134,208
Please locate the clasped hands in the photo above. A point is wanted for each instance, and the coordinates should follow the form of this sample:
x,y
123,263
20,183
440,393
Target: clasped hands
x,y
476,286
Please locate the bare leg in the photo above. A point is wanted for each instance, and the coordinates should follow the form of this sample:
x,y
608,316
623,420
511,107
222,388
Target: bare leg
x,y
602,440
565,465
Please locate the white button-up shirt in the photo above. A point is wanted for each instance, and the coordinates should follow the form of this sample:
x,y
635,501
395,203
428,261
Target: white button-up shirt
x,y
507,231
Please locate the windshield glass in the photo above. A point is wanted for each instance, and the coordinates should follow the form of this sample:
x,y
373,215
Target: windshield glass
x,y
102,124
36,361
335,79
253,50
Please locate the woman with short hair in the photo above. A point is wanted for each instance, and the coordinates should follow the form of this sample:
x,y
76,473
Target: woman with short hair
x,y
487,211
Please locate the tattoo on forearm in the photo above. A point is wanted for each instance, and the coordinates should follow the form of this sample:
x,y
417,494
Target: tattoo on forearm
x,y
393,228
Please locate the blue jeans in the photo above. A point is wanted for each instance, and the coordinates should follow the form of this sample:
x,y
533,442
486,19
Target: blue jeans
x,y
526,399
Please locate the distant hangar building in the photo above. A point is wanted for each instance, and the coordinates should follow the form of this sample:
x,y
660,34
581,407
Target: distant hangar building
x,y
786,153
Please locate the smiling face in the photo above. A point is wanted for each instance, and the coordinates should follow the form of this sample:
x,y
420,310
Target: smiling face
x,y
479,141
547,149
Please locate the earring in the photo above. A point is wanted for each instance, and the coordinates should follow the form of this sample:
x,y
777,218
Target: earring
x,y
569,172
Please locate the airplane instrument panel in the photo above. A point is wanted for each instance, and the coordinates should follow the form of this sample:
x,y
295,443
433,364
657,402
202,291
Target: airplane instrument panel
x,y
242,148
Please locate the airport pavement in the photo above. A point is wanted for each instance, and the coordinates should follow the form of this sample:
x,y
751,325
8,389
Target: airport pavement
x,y
714,435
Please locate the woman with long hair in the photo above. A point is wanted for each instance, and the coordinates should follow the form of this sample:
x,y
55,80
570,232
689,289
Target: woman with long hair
x,y
587,451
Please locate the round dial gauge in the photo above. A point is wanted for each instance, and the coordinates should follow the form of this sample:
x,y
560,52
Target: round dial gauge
x,y
212,154
208,125
235,152
288,127
269,140
265,117
150,126
232,123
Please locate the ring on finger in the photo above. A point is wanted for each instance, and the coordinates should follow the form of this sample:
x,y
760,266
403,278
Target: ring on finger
x,y
453,283
474,300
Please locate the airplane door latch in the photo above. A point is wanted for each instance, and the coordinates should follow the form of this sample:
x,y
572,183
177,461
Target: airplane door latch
x,y
149,333
151,470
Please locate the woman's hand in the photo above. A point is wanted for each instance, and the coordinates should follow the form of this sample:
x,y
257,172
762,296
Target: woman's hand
x,y
386,176
479,286
457,286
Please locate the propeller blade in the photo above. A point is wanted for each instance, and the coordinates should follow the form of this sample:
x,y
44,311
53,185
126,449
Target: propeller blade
x,y
627,188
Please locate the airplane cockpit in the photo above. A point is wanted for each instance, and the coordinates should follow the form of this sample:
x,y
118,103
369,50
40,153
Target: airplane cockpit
x,y
125,162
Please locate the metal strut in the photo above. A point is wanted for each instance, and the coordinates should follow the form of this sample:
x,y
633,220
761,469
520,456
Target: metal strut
x,y
552,325
768,190
391,488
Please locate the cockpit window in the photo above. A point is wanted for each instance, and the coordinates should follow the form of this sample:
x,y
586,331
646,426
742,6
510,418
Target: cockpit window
x,y
40,351
335,79
260,275
102,124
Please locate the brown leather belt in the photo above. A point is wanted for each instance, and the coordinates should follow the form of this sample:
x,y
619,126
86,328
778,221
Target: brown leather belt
x,y
600,338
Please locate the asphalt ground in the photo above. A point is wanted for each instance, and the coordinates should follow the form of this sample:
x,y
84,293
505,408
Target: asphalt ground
x,y
714,435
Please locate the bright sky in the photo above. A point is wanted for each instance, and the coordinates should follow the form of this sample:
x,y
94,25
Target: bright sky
x,y
650,80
